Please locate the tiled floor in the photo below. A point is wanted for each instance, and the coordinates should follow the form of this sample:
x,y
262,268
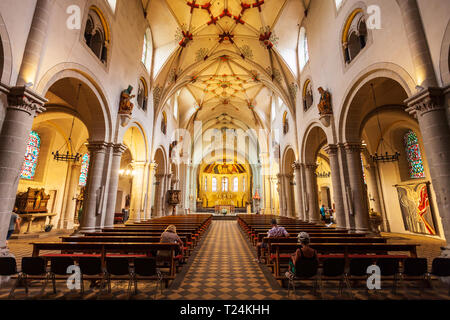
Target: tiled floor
x,y
223,268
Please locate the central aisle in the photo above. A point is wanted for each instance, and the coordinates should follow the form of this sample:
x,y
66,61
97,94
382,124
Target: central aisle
x,y
224,269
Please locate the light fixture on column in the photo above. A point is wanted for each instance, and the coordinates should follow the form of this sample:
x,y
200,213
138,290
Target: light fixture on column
x,y
69,155
382,153
321,173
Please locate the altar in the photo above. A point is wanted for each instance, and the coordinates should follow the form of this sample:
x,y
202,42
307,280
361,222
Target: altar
x,y
230,209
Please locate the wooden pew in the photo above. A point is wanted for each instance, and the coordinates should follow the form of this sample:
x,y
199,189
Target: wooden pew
x,y
105,249
282,251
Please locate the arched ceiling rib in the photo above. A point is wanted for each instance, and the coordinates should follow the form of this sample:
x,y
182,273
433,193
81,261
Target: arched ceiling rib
x,y
232,43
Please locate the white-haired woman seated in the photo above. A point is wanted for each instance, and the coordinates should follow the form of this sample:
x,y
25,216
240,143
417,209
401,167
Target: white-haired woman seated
x,y
304,255
170,236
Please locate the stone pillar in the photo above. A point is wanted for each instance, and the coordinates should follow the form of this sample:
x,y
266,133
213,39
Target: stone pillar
x,y
159,180
23,106
299,189
35,43
67,220
167,186
290,210
429,108
136,191
118,150
94,189
151,172
332,151
357,187
312,196
281,194
418,44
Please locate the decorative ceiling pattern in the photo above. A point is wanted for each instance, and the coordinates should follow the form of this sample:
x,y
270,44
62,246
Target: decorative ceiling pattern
x,y
222,49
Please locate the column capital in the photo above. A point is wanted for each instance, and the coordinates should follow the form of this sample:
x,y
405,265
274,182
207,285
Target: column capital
x,y
97,146
351,147
296,165
24,99
311,166
153,165
427,100
138,164
331,149
119,149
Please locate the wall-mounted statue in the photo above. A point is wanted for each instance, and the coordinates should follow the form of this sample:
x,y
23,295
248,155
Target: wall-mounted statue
x,y
126,106
325,102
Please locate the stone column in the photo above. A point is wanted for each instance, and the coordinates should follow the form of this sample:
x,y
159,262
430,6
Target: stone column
x,y
151,172
35,43
332,151
429,108
312,196
159,180
167,186
94,189
290,210
299,189
281,194
23,106
118,150
357,187
67,220
136,191
418,44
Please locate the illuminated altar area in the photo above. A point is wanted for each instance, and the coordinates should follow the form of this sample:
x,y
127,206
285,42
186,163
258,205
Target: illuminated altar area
x,y
224,186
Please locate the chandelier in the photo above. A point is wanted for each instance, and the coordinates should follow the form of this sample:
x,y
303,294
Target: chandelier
x,y
68,156
321,172
382,153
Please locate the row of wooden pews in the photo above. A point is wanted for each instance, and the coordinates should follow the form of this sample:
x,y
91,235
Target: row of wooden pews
x,y
328,242
133,240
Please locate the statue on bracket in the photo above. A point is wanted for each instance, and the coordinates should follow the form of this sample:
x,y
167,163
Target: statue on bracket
x,y
325,103
126,106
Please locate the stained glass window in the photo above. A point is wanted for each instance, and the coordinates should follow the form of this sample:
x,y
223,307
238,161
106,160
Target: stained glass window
x,y
206,184
31,156
413,155
214,184
236,185
224,184
84,170
243,184
363,171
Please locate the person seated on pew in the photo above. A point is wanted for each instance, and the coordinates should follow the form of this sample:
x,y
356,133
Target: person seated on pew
x,y
304,256
170,236
275,232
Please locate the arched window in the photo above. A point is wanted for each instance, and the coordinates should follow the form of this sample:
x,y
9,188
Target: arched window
x,y
147,50
338,3
285,123
96,34
413,155
164,123
175,107
142,96
224,184
31,156
243,184
354,38
112,4
236,185
84,170
308,97
214,184
303,55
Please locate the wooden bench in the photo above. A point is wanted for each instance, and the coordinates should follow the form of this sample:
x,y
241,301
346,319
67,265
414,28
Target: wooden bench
x,y
283,251
106,249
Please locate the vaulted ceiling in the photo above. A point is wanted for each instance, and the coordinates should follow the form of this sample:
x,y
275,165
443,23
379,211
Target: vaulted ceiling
x,y
225,58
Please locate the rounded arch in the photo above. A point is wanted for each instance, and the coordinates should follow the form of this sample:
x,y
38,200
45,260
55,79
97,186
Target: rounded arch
x,y
444,64
313,140
100,111
289,158
6,60
160,158
135,139
379,70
